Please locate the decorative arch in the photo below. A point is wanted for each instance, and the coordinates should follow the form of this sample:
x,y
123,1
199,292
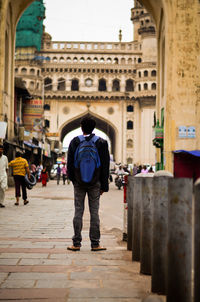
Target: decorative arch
x,y
101,124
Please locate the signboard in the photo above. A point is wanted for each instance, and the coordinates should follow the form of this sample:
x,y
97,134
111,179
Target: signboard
x,y
32,115
191,132
3,128
186,132
182,131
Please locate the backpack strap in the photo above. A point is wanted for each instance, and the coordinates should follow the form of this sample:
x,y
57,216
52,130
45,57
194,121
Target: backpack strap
x,y
94,138
81,138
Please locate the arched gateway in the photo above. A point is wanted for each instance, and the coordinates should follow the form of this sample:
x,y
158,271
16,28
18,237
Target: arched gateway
x,y
101,124
178,35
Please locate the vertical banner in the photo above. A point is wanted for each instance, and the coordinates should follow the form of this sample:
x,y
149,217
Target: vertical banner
x,y
32,115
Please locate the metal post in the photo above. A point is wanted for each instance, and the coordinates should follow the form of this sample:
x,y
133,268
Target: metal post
x,y
159,236
136,224
179,277
146,226
197,241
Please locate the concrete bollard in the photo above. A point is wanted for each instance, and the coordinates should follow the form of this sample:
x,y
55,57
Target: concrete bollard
x,y
159,236
197,241
146,226
152,299
136,224
179,277
130,189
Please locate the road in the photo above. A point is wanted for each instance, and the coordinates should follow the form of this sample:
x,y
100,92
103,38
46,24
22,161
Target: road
x,y
35,264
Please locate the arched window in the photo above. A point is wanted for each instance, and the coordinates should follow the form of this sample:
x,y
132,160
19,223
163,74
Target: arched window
x,y
32,85
129,85
68,59
23,70
95,60
55,59
153,86
61,84
32,71
47,107
139,87
16,70
130,108
48,84
75,85
123,61
145,73
38,72
129,61
129,143
139,60
102,60
102,85
139,74
88,60
62,60
145,86
109,61
116,61
129,125
153,73
75,60
116,85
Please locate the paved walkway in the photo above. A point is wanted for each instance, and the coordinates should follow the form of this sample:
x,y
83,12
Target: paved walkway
x,y
35,264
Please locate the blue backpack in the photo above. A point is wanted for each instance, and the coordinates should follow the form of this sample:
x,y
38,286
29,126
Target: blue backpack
x,y
86,158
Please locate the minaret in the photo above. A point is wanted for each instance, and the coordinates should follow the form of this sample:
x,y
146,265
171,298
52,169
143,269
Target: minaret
x,y
144,31
135,18
120,35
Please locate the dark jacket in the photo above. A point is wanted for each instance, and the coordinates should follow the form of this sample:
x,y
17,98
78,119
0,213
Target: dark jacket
x,y
102,147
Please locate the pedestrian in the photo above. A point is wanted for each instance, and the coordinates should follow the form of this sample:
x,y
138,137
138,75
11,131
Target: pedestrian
x,y
44,176
3,176
58,172
64,173
144,169
20,169
88,179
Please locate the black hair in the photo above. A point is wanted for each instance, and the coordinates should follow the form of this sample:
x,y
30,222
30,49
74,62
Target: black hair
x,y
18,154
1,146
87,125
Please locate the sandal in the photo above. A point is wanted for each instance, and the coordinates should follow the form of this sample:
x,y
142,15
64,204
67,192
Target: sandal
x,y
98,248
73,248
26,202
16,203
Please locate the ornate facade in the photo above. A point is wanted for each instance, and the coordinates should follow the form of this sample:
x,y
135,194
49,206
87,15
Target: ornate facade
x,y
178,38
115,82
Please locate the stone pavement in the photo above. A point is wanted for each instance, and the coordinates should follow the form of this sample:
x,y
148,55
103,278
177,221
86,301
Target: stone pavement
x,y
35,264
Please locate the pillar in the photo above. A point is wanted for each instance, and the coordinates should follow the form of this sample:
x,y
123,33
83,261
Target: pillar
x,y
179,240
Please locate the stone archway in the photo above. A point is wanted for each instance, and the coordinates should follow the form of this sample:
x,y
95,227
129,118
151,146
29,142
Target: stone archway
x,y
102,125
178,33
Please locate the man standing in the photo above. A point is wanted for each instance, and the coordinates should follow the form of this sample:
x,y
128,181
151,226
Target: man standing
x,y
20,169
94,188
3,176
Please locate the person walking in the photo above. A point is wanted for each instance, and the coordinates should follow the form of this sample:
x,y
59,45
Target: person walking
x,y
58,173
64,173
3,176
20,169
44,176
88,177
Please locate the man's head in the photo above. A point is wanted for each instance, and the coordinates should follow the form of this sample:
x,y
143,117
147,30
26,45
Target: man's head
x,y
18,154
87,125
1,150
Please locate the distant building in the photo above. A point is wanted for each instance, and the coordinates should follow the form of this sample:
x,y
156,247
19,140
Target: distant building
x,y
113,81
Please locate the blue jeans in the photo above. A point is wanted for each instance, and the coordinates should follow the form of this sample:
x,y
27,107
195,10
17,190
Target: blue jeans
x,y
93,193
